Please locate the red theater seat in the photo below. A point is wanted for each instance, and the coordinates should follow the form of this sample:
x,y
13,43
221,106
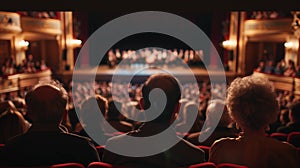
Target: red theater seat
x,y
61,165
205,149
279,136
103,165
230,165
203,165
100,150
1,147
68,165
294,139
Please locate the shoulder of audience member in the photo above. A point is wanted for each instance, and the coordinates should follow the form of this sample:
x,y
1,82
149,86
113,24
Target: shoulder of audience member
x,y
283,129
223,141
281,144
78,137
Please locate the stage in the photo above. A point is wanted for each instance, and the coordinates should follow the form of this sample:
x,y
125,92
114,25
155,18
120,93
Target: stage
x,y
140,74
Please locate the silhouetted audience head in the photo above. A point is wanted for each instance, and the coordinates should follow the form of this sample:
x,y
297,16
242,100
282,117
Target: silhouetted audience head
x,y
113,110
214,108
189,108
89,112
6,105
12,123
284,116
251,102
171,87
46,102
294,114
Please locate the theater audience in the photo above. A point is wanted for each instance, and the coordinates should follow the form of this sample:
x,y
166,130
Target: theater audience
x,y
291,69
46,143
10,67
12,123
294,117
181,154
251,102
188,110
279,69
115,119
223,127
90,118
260,67
269,68
282,120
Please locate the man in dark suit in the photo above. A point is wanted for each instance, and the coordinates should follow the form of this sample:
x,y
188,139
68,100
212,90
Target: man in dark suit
x,y
182,153
47,142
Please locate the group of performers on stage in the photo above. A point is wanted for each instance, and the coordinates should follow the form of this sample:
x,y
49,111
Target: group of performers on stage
x,y
152,57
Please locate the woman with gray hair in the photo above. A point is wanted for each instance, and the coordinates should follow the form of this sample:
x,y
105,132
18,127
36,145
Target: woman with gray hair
x,y
251,102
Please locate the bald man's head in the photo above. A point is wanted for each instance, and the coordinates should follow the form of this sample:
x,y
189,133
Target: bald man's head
x,y
46,102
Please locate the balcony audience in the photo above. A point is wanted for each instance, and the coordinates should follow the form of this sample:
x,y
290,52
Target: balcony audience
x,y
181,154
47,142
291,69
269,68
28,65
252,104
260,67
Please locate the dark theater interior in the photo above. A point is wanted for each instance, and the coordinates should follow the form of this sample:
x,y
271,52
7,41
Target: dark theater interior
x,y
153,89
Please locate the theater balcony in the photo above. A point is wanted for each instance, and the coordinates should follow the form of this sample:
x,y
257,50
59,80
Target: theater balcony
x,y
35,26
9,24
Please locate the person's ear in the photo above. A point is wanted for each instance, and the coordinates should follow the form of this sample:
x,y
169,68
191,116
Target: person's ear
x,y
177,108
175,112
142,103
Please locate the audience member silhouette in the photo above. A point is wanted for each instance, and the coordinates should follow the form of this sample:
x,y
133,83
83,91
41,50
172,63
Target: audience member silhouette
x,y
181,154
223,129
12,123
115,119
188,109
46,143
90,118
251,102
291,69
294,116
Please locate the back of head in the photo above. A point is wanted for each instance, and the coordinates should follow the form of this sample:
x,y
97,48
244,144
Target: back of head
x,y
113,112
251,102
214,108
189,109
89,112
295,111
6,105
12,123
170,86
46,102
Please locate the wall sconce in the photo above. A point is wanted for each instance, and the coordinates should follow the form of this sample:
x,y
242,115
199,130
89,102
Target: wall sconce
x,y
75,43
23,44
292,45
229,44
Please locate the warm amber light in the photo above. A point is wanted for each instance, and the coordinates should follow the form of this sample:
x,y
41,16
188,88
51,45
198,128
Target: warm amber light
x,y
229,44
294,45
76,42
23,44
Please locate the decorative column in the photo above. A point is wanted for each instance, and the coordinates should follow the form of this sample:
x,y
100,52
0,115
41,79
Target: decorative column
x,y
67,62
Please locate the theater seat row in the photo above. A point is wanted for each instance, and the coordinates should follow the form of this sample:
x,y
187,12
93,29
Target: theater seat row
x,y
292,138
